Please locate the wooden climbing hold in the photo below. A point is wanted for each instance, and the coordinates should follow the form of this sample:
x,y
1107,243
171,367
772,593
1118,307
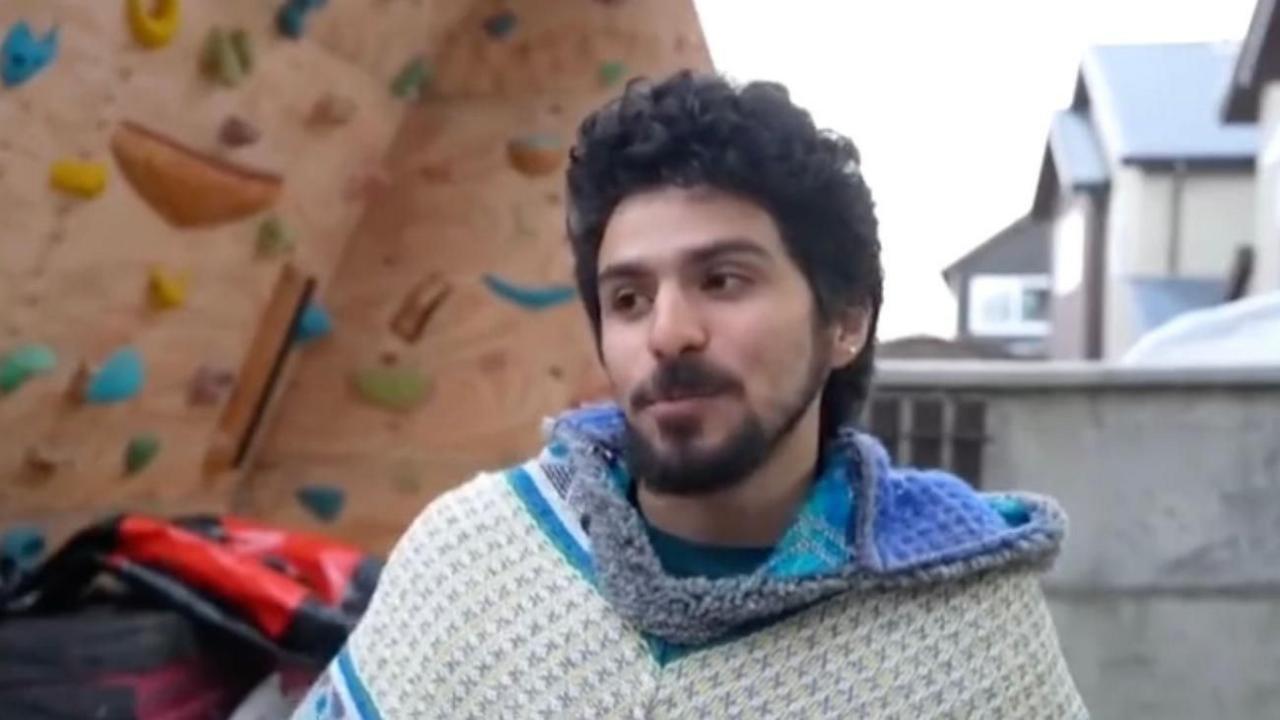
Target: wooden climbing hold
x,y
23,55
154,22
79,177
22,547
412,80
419,306
23,363
324,502
291,20
500,25
273,238
187,187
209,385
536,154
120,378
392,388
313,323
332,110
140,451
168,290
237,132
527,296
611,72
228,55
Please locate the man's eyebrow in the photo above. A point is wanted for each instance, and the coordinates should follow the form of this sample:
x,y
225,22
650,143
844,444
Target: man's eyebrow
x,y
630,270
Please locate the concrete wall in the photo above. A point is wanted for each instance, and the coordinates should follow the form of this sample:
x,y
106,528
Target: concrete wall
x,y
1266,269
1167,593
1214,217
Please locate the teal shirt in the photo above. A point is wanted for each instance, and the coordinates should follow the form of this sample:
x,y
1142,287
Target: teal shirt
x,y
683,558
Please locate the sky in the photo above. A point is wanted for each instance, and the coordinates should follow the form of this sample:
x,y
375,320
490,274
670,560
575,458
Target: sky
x,y
948,102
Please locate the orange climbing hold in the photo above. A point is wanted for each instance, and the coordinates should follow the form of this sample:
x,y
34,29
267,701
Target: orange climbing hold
x,y
535,155
187,187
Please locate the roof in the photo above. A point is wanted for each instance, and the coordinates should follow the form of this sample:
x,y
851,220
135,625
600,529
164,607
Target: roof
x,y
1076,151
1257,63
1160,104
1023,230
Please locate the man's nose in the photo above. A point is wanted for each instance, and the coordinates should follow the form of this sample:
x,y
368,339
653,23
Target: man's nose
x,y
675,326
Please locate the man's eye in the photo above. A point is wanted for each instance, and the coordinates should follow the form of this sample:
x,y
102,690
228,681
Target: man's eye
x,y
723,282
626,302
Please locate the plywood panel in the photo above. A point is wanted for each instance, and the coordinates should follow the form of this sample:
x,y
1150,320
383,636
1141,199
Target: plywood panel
x,y
455,207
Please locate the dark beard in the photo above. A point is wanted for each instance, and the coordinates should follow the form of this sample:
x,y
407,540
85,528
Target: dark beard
x,y
686,471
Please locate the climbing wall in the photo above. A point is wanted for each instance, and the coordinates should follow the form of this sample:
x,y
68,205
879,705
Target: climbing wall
x,y
173,176
455,329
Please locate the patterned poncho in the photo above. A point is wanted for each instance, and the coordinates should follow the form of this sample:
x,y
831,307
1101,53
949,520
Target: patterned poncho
x,y
534,593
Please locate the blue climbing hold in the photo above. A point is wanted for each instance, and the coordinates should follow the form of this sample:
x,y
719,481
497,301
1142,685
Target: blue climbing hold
x,y
24,55
325,502
500,25
291,21
22,546
529,297
120,378
313,324
1013,511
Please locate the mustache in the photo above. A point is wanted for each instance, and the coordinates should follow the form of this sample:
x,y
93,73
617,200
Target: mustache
x,y
683,377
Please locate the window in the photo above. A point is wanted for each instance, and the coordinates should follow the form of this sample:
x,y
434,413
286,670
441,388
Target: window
x,y
1009,305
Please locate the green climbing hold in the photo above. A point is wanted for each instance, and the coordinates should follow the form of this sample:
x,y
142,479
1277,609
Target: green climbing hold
x,y
611,72
228,55
140,451
324,502
24,363
410,82
273,238
392,388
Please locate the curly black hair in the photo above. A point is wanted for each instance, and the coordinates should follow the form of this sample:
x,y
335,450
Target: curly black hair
x,y
701,130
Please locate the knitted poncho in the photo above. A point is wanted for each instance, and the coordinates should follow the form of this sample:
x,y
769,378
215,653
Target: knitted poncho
x,y
534,593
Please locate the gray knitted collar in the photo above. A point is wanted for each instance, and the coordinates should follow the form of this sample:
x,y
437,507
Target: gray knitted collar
x,y
908,528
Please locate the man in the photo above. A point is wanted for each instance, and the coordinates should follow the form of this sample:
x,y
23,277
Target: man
x,y
722,542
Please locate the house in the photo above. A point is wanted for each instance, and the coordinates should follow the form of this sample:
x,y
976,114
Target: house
x,y
1254,98
1002,292
1147,193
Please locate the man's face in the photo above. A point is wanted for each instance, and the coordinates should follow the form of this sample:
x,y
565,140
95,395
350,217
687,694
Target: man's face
x,y
708,335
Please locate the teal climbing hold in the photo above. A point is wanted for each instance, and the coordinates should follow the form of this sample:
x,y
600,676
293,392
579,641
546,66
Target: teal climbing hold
x,y
22,546
313,324
120,378
291,20
23,55
325,502
500,25
530,297
23,363
140,451
1011,509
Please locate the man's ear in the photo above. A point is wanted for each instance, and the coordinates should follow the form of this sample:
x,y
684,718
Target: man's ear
x,y
849,334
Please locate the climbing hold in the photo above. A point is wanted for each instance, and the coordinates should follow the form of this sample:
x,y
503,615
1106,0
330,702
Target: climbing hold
x,y
23,363
412,80
44,459
528,297
140,451
22,546
209,385
332,110
228,55
418,307
154,22
23,55
611,72
501,24
78,177
187,187
238,132
392,388
167,289
273,238
535,155
313,324
324,502
291,21
121,377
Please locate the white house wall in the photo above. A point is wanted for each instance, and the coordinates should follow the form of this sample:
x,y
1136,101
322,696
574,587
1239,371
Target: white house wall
x,y
1266,272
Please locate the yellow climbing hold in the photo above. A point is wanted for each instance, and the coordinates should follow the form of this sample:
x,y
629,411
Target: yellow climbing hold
x,y
154,22
78,177
167,289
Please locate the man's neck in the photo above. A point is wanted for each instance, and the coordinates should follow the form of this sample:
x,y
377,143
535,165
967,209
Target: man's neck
x,y
753,513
